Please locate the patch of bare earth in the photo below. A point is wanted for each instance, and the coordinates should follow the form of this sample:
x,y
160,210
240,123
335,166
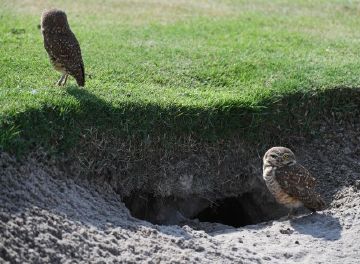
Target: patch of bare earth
x,y
56,211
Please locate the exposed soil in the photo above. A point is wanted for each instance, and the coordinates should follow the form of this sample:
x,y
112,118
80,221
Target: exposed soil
x,y
53,212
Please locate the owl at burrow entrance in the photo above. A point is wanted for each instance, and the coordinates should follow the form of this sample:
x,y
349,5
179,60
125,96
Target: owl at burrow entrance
x,y
289,182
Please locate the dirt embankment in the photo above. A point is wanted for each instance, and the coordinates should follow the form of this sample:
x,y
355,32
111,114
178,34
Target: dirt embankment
x,y
52,212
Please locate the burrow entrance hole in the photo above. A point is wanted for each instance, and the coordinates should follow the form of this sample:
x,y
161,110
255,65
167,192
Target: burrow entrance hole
x,y
247,209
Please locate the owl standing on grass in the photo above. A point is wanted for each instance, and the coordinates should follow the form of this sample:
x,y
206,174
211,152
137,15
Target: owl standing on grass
x,y
62,46
291,184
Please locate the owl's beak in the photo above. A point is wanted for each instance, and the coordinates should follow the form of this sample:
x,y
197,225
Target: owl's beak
x,y
290,162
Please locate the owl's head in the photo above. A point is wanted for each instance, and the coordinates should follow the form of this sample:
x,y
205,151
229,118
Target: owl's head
x,y
54,19
279,157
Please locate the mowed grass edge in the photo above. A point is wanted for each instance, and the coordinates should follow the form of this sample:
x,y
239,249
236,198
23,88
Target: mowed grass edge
x,y
205,77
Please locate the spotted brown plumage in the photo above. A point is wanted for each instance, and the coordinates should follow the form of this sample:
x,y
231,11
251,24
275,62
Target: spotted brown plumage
x,y
62,46
296,181
291,184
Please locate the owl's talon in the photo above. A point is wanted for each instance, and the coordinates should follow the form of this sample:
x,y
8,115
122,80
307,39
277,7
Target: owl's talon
x,y
291,214
59,82
65,79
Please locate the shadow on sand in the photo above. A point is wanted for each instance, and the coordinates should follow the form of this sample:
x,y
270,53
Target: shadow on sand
x,y
319,225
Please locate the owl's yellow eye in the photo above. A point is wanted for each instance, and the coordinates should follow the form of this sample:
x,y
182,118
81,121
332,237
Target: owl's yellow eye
x,y
286,156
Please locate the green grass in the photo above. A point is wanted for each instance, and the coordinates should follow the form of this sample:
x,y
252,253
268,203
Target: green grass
x,y
204,68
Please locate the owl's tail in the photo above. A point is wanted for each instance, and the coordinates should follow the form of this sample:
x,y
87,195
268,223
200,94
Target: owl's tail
x,y
316,203
80,82
79,75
